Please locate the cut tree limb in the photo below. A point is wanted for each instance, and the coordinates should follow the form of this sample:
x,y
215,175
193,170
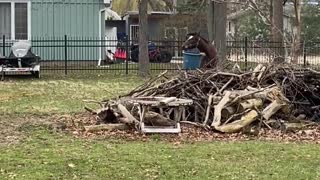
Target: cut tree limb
x,y
238,125
168,100
208,109
236,115
227,111
123,110
261,73
90,110
261,93
154,119
255,71
218,108
106,127
250,103
273,108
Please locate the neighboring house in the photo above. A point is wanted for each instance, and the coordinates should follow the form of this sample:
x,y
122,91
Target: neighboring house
x,y
33,19
117,26
129,20
155,30
163,22
114,24
24,19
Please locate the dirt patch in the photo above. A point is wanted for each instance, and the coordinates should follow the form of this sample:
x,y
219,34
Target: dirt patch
x,y
191,133
15,129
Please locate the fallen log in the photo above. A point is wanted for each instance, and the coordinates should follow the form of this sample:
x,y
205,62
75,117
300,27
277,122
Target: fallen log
x,y
106,127
256,70
227,112
155,119
273,108
261,73
167,100
218,108
123,110
208,109
106,115
249,104
291,127
238,125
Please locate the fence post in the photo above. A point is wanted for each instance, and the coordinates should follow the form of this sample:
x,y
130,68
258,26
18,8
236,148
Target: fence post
x,y
65,55
246,53
127,54
4,45
304,54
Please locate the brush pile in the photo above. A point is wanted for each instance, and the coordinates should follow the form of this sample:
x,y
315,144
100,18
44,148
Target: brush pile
x,y
267,96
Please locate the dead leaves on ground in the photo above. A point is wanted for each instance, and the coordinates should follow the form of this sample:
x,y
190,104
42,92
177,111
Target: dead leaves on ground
x,y
191,133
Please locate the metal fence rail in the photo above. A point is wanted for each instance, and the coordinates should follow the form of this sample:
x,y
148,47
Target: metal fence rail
x,y
89,54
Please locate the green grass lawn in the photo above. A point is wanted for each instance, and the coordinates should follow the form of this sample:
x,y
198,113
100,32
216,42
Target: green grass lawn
x,y
23,95
41,153
45,155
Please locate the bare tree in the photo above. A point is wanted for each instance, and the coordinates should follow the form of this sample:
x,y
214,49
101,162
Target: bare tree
x,y
210,19
220,29
296,48
144,65
277,29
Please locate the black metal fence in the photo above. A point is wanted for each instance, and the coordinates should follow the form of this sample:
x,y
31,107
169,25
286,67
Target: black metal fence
x,y
79,54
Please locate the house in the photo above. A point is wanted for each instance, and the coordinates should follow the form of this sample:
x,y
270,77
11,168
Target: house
x,y
49,19
127,21
24,19
154,24
163,22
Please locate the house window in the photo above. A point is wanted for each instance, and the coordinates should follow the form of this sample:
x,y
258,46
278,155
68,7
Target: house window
x,y
15,20
134,33
5,19
21,21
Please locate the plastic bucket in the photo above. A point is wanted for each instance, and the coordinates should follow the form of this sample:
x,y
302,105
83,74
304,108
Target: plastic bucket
x,y
191,61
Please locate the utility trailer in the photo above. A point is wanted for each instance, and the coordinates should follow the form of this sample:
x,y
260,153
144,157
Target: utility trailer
x,y
20,60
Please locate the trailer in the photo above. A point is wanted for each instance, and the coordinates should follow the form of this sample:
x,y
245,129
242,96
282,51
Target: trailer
x,y
20,60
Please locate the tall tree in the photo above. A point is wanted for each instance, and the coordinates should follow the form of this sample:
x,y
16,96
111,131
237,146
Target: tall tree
x,y
277,29
310,19
296,45
220,29
210,19
144,65
271,14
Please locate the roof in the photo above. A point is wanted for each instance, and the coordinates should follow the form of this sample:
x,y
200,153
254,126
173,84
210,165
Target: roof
x,y
122,7
112,15
150,13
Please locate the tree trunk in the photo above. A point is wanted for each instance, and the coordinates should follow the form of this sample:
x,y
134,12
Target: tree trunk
x,y
220,29
143,41
271,15
296,48
277,30
210,19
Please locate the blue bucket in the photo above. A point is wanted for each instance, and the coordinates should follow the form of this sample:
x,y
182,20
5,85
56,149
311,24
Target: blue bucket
x,y
191,61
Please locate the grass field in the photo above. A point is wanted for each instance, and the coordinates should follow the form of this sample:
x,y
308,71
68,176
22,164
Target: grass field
x,y
30,150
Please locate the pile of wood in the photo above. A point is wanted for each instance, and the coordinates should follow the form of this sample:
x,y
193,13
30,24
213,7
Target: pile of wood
x,y
267,96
